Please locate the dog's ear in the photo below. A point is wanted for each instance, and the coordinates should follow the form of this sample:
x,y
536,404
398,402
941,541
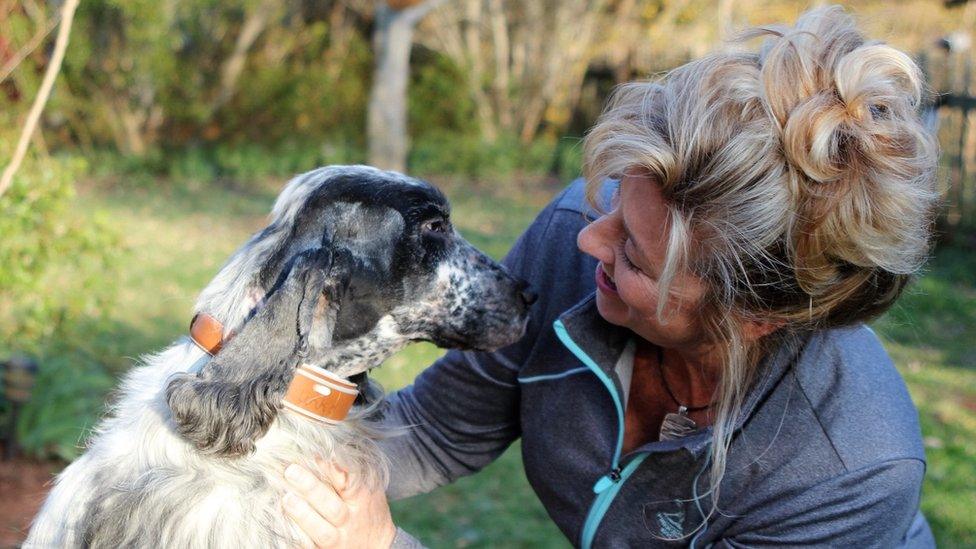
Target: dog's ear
x,y
232,401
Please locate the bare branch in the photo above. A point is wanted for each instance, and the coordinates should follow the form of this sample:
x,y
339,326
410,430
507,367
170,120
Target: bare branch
x,y
29,47
53,68
35,12
233,67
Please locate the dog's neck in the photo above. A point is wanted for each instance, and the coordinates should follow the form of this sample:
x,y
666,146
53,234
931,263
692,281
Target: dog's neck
x,y
360,354
320,390
314,393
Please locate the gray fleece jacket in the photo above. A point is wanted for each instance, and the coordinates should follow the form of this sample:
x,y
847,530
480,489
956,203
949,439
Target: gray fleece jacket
x,y
827,453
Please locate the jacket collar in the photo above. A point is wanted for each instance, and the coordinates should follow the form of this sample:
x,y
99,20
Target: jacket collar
x,y
604,342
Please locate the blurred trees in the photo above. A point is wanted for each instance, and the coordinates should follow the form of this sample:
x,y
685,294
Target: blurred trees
x,y
146,74
148,77
393,31
519,58
525,62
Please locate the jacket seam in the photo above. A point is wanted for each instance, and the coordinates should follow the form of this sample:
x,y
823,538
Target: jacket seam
x,y
816,415
878,464
847,469
873,465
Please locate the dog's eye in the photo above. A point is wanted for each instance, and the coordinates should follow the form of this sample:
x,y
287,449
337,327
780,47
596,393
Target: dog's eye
x,y
438,225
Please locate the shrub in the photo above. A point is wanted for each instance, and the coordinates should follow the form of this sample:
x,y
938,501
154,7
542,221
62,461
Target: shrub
x,y
450,154
568,163
67,401
438,100
244,162
53,267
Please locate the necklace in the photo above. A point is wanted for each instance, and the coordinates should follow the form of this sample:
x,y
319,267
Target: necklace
x,y
675,425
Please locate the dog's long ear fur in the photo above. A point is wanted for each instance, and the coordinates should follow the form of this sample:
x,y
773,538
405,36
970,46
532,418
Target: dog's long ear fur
x,y
232,401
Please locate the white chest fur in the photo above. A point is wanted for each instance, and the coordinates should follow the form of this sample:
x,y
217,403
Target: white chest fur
x,y
140,484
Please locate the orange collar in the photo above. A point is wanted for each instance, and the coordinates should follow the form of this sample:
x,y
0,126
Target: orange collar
x,y
208,333
314,393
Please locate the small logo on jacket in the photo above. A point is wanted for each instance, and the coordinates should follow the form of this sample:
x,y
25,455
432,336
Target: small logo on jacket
x,y
672,525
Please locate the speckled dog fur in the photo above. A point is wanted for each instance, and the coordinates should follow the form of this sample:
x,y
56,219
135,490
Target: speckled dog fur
x,y
354,264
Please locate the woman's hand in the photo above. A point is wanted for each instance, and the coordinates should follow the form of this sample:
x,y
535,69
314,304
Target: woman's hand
x,y
334,517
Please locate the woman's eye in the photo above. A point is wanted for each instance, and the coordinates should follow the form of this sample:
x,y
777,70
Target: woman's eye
x,y
626,258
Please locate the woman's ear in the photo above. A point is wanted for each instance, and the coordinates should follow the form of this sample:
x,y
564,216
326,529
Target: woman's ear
x,y
232,401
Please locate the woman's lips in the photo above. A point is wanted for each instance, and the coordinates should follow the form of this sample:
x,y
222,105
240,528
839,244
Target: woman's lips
x,y
603,280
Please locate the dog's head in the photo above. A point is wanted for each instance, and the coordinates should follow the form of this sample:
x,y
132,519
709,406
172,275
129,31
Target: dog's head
x,y
355,263
412,272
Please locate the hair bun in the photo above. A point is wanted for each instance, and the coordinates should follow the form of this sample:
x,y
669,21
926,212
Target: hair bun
x,y
846,110
833,94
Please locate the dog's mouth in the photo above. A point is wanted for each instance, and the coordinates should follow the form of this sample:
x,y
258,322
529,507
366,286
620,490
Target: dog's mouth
x,y
491,338
362,385
447,340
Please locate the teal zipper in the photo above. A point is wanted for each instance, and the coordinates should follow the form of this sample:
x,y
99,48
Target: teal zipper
x,y
607,486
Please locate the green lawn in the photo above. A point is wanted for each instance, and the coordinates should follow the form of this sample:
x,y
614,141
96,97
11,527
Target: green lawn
x,y
931,335
176,236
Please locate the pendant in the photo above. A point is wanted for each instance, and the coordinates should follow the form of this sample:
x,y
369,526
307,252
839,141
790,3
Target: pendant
x,y
677,425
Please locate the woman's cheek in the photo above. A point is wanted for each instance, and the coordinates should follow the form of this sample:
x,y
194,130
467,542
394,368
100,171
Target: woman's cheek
x,y
636,291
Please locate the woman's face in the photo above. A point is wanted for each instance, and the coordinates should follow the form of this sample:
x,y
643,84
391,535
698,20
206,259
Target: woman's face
x,y
631,243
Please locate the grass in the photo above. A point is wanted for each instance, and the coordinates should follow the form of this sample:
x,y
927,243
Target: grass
x,y
177,235
931,335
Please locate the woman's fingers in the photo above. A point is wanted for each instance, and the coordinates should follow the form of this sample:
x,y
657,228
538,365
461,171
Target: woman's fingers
x,y
319,530
332,514
336,475
317,495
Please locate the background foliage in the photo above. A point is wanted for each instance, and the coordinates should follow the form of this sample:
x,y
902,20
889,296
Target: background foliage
x,y
53,297
174,124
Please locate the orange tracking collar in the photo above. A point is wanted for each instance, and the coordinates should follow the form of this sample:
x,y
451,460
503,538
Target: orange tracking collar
x,y
314,393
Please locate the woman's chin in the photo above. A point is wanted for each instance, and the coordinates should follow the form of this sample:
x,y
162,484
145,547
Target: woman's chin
x,y
611,309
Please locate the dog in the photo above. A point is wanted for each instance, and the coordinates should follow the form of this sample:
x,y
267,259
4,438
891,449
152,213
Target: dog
x,y
355,264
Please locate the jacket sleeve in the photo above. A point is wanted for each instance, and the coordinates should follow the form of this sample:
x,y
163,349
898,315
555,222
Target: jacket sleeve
x,y
463,411
403,540
875,506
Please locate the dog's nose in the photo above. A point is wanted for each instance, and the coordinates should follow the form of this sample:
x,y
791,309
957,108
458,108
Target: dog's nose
x,y
528,296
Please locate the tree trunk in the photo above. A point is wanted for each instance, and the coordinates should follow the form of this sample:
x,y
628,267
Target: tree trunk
x,y
233,66
476,69
501,83
387,116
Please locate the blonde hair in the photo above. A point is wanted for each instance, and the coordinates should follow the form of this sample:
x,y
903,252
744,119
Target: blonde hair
x,y
800,185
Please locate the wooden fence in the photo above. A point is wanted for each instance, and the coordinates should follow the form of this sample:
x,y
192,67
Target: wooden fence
x,y
951,111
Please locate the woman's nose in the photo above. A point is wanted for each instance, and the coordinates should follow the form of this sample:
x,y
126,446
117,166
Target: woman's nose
x,y
596,239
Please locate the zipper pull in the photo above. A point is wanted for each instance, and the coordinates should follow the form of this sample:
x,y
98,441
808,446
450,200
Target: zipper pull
x,y
607,480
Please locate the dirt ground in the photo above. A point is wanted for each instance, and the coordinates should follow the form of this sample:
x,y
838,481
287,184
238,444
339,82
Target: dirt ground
x,y
23,485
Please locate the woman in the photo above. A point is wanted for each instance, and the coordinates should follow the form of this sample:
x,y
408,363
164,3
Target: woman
x,y
720,387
